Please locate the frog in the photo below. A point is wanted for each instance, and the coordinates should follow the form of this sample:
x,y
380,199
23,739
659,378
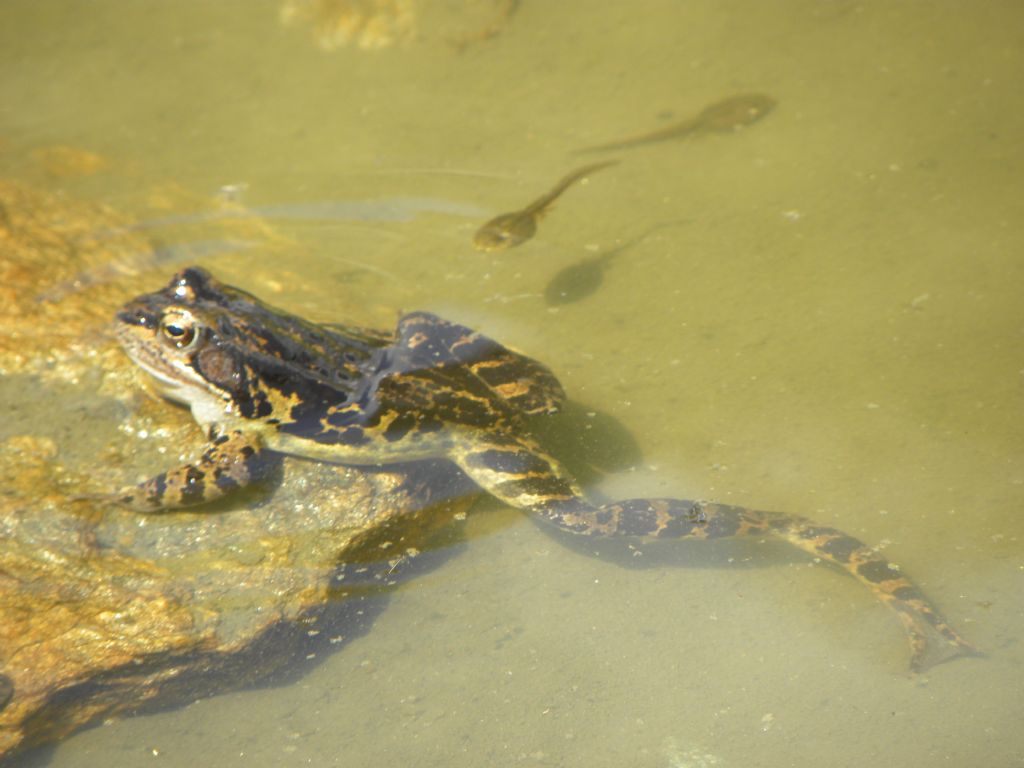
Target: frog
x,y
508,230
262,383
723,116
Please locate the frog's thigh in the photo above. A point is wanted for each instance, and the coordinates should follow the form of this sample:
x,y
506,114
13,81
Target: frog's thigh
x,y
519,473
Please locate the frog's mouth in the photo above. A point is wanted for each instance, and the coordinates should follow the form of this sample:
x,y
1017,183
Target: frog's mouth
x,y
168,387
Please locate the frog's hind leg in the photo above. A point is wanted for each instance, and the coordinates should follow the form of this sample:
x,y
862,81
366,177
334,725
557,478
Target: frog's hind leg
x,y
522,475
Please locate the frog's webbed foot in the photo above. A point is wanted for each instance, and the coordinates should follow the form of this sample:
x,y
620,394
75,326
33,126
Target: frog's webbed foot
x,y
932,640
230,462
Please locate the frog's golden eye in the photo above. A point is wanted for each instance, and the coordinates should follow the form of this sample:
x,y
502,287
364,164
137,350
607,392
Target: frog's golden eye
x,y
180,329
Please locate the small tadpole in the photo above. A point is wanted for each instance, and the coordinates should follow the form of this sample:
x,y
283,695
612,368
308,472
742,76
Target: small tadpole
x,y
508,230
726,116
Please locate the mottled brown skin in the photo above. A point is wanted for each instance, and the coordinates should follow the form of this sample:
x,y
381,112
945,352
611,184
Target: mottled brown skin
x,y
507,230
261,381
721,117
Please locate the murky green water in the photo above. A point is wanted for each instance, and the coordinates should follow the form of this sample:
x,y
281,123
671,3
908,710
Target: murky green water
x,y
833,328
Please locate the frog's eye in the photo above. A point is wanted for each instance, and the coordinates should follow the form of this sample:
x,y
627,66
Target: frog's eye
x,y
180,329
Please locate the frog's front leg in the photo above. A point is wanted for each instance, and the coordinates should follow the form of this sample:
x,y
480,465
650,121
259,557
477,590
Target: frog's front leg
x,y
232,460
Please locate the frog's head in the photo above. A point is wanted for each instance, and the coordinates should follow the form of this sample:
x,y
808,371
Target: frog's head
x,y
225,353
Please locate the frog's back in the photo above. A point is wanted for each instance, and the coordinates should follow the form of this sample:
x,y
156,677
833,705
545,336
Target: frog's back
x,y
435,380
462,375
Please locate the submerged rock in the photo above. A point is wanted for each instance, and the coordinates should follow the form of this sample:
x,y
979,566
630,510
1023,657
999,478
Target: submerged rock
x,y
104,611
